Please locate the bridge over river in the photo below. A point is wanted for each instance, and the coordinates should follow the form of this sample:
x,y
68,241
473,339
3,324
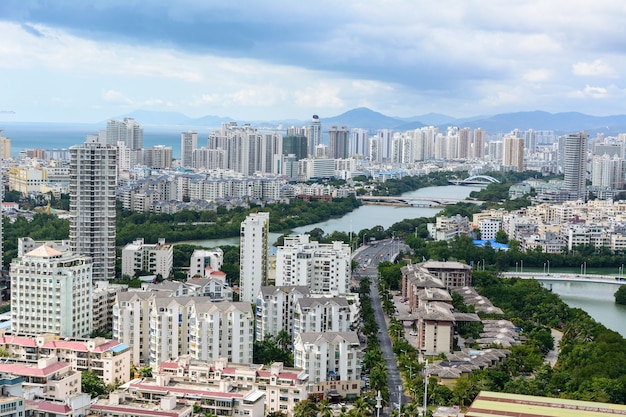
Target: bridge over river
x,y
437,201
564,277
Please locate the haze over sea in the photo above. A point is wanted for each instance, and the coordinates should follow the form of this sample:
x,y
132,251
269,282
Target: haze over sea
x,y
64,135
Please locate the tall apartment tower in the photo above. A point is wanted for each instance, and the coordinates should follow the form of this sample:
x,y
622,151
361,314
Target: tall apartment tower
x,y
254,243
465,143
128,131
93,179
338,143
315,134
51,292
513,153
575,165
188,143
479,142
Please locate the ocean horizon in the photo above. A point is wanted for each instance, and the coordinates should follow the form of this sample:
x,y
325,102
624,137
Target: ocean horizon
x,y
49,136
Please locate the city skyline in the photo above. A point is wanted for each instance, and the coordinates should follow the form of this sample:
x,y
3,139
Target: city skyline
x,y
67,62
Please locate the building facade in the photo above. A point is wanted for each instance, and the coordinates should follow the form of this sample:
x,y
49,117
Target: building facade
x,y
254,245
93,180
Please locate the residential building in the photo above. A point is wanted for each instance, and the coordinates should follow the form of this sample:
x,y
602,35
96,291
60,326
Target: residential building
x,y
452,274
103,295
254,246
109,359
295,145
51,292
326,314
314,135
275,309
213,286
338,143
324,268
608,172
489,227
158,157
479,143
333,362
127,130
93,180
575,165
204,261
46,378
188,144
157,258
159,326
5,147
283,387
513,153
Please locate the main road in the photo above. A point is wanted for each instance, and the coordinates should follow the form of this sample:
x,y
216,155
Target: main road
x,y
368,257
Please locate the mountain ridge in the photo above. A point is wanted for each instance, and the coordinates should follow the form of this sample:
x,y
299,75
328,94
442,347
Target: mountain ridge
x,y
363,117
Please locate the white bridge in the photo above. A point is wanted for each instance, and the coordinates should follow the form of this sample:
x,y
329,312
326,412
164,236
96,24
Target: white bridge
x,y
565,277
439,201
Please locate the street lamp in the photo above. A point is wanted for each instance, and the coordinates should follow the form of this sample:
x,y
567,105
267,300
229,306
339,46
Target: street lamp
x,y
548,266
425,387
378,404
516,267
416,231
521,267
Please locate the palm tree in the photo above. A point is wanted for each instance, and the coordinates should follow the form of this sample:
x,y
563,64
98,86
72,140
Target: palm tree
x,y
283,339
306,408
325,408
362,407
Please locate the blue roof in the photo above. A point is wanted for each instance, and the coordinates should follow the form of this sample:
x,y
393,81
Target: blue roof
x,y
493,243
120,348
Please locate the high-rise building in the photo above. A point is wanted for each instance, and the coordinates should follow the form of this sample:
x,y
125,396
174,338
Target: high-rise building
x,y
608,172
93,180
128,131
338,143
314,134
254,243
51,293
5,147
465,143
513,153
188,143
295,145
479,143
359,140
386,137
575,165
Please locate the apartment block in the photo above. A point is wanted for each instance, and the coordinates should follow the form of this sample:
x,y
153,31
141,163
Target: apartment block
x,y
156,258
109,359
51,292
326,314
324,268
333,362
283,387
275,309
159,327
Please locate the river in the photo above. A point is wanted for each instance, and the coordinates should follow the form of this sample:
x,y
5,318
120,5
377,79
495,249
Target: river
x,y
596,299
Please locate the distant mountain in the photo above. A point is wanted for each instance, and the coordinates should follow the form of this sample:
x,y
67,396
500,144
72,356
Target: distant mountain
x,y
362,117
365,118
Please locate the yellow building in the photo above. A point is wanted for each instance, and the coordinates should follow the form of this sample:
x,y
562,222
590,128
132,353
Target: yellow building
x,y
5,147
27,179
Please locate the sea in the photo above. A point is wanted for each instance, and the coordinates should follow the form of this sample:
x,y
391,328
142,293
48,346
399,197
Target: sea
x,y
25,135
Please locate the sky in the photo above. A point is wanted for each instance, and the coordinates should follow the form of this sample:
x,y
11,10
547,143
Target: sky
x,y
86,61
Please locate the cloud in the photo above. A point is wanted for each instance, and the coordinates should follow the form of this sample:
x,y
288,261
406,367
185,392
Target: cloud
x,y
597,68
112,96
537,75
591,92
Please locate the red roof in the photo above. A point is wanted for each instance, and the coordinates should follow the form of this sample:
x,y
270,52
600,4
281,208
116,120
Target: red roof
x,y
51,407
133,411
106,346
229,371
264,374
20,341
183,391
66,344
287,375
24,370
169,365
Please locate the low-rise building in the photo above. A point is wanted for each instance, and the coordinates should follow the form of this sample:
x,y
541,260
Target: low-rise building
x,y
156,258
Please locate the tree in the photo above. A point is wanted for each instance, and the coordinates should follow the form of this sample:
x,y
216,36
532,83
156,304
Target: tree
x,y
620,295
502,237
92,384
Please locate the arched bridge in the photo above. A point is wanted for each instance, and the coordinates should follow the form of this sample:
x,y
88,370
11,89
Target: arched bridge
x,y
476,180
436,201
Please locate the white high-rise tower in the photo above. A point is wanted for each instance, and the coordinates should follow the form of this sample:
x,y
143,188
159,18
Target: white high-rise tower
x,y
93,179
315,135
575,165
188,143
254,241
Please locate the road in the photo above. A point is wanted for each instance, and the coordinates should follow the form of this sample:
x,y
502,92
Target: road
x,y
370,257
